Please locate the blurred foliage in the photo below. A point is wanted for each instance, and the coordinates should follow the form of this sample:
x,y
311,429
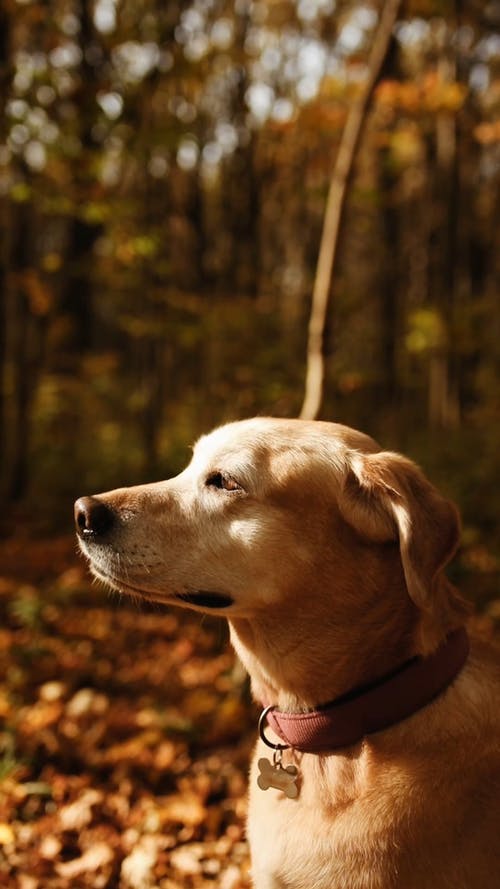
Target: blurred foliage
x,y
124,736
163,171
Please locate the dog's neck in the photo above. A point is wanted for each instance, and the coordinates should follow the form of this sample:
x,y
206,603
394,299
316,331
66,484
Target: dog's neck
x,y
317,647
300,659
351,718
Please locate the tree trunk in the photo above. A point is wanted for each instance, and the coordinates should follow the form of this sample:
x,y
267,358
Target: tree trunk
x,y
22,355
4,249
336,199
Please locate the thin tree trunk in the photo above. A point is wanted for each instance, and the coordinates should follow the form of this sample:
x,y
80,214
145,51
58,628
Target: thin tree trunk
x,y
21,347
4,252
337,193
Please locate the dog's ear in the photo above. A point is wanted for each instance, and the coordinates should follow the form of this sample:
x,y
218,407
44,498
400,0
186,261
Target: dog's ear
x,y
387,497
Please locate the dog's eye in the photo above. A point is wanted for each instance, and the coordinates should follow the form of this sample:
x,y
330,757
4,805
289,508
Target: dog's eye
x,y
224,482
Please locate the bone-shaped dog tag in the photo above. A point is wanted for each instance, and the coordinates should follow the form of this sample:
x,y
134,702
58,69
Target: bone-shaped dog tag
x,y
273,774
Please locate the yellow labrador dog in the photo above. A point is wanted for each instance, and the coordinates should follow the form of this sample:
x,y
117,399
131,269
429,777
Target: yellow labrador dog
x,y
378,763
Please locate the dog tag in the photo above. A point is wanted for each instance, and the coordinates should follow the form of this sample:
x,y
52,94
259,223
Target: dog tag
x,y
274,774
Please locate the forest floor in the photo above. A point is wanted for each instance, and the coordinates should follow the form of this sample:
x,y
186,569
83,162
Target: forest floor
x,y
125,734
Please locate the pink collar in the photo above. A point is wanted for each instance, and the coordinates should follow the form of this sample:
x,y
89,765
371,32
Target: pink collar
x,y
374,707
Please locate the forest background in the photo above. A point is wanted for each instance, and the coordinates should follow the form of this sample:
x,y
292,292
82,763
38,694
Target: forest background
x,y
164,169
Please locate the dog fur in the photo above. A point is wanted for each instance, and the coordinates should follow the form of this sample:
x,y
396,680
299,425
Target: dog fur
x,y
326,553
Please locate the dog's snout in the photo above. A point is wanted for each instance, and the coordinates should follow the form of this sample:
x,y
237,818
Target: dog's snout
x,y
93,518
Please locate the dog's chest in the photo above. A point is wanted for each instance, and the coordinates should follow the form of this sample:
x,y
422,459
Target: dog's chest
x,y
321,839
353,826
293,850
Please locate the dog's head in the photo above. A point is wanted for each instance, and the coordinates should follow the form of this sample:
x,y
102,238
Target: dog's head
x,y
268,510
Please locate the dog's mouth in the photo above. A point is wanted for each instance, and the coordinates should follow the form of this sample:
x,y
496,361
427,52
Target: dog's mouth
x,y
206,599
200,598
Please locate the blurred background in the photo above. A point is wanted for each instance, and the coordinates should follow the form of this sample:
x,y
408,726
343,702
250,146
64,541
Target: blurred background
x,y
164,168
163,175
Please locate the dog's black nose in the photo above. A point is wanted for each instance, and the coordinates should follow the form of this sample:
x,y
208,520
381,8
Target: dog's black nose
x,y
93,518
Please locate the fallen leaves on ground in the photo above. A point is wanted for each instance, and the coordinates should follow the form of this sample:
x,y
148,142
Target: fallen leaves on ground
x,y
125,737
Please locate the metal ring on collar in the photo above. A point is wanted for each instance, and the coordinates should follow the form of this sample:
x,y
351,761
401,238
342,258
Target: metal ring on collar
x,y
262,725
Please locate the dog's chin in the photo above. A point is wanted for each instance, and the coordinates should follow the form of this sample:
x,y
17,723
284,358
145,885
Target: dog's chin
x,y
117,584
204,600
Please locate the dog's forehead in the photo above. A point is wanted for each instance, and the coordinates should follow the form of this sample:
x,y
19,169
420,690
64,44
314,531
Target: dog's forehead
x,y
256,443
239,443
263,433
250,441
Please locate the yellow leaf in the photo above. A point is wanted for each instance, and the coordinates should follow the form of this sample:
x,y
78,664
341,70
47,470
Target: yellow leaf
x,y
38,292
6,834
186,809
52,262
487,133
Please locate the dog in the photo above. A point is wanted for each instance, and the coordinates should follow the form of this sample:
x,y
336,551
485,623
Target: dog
x,y
378,761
